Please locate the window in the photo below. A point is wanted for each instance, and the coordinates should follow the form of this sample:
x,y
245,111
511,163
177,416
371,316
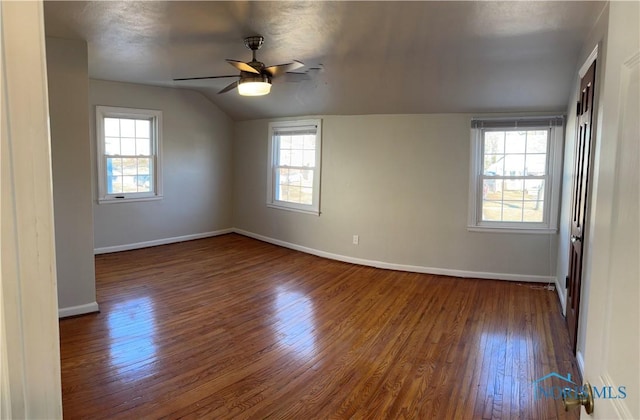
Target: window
x,y
294,165
129,154
515,174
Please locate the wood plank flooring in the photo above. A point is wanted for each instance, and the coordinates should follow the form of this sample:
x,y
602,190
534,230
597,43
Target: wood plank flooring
x,y
230,327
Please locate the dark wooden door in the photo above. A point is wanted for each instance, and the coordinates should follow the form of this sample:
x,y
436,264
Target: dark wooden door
x,y
579,199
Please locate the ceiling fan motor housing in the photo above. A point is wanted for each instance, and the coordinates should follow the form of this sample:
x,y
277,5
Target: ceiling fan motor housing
x,y
246,77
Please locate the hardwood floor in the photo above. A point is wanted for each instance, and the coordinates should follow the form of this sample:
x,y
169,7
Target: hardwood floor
x,y
230,327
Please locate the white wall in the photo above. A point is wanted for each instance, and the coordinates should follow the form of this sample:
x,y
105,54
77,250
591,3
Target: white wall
x,y
197,171
400,182
70,156
597,37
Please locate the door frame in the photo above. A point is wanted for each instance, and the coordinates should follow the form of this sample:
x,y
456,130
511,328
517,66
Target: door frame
x,y
587,233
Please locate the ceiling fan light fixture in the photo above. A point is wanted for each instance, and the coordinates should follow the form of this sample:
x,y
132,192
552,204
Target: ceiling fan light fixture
x,y
254,86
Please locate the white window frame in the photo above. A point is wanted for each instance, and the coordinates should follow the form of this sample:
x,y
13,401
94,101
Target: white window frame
x,y
555,125
272,163
155,116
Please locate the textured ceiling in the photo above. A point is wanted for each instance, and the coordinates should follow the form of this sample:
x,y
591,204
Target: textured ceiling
x,y
375,57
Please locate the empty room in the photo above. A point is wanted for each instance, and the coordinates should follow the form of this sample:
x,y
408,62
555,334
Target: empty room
x,y
320,209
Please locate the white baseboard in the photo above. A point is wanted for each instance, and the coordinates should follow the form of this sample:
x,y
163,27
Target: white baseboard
x,y
562,295
78,310
165,241
399,267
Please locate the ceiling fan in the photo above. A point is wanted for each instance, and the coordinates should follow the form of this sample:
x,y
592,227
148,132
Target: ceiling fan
x,y
254,78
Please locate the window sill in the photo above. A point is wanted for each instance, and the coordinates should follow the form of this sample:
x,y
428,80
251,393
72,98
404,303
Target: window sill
x,y
128,200
544,231
294,209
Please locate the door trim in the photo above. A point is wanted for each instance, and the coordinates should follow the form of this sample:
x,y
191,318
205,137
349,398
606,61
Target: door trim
x,y
585,66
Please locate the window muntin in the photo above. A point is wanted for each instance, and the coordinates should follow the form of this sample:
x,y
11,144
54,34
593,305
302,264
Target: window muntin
x,y
294,167
515,170
128,153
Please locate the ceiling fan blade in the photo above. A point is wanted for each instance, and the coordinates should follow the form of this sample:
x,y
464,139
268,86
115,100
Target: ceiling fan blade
x,y
204,77
229,87
242,66
284,68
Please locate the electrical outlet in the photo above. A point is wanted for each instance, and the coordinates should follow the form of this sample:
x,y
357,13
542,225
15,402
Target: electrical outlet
x,y
356,239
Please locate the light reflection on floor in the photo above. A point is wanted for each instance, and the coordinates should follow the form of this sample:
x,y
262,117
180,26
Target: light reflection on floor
x,y
295,323
509,357
132,330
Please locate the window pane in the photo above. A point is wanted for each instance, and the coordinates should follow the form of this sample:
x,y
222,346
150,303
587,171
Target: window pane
x,y
294,194
309,158
511,157
491,211
112,127
129,184
310,142
114,184
129,149
293,164
534,189
494,164
114,166
285,142
285,158
307,179
492,189
143,129
537,141
130,167
128,146
127,128
143,147
143,166
534,211
297,142
295,177
306,195
512,211
494,142
144,183
112,146
296,157
280,174
514,165
289,177
536,165
294,186
513,189
515,141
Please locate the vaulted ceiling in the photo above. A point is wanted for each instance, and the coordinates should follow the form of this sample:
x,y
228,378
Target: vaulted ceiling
x,y
360,57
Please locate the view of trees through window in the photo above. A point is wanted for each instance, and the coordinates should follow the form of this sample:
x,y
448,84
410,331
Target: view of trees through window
x,y
296,163
128,155
514,175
